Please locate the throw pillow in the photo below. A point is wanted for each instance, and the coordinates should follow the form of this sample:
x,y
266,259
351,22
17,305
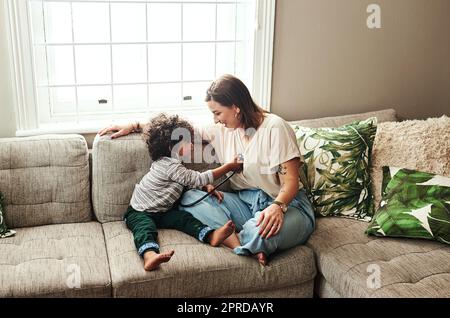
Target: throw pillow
x,y
421,145
4,232
336,172
414,204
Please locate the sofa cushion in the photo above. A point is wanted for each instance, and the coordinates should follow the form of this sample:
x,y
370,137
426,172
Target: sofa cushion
x,y
414,204
45,180
62,260
117,165
336,121
356,265
323,289
336,172
199,270
421,145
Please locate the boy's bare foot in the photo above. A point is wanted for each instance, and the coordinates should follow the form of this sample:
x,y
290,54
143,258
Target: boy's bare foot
x,y
152,259
261,257
219,235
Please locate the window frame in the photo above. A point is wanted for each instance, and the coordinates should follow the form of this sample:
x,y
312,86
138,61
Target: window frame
x,y
23,77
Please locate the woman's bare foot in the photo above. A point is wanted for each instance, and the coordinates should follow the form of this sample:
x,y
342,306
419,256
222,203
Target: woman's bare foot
x,y
219,235
152,259
261,257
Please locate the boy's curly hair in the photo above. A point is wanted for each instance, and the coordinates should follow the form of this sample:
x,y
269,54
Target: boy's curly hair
x,y
158,134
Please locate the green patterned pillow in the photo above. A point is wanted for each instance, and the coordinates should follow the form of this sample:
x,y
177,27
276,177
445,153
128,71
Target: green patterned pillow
x,y
414,204
336,172
4,232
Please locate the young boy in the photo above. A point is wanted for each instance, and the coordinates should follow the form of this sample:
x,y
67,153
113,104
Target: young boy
x,y
153,201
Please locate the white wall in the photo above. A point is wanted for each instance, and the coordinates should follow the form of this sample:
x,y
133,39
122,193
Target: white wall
x,y
327,62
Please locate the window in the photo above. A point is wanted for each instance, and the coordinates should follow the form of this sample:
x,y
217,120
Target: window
x,y
82,63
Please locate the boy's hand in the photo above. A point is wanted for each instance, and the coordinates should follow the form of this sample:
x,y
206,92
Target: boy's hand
x,y
236,165
217,194
117,130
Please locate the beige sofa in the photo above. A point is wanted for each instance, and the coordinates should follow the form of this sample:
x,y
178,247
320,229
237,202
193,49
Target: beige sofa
x,y
71,240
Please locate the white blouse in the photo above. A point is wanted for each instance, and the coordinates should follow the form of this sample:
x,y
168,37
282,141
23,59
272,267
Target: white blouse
x,y
273,143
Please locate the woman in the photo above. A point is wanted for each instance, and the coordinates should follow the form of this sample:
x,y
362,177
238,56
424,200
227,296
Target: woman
x,y
269,209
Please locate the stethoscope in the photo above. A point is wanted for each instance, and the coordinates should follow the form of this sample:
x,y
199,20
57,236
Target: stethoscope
x,y
240,158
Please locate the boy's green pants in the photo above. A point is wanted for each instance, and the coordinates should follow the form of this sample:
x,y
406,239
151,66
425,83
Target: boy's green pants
x,y
144,226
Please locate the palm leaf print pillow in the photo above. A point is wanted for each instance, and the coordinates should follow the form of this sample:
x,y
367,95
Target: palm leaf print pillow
x,y
414,204
336,172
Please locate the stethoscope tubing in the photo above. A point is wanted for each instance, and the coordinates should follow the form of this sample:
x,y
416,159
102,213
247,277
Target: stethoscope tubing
x,y
208,193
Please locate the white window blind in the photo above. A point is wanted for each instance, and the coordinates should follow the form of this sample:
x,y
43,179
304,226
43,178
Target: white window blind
x,y
98,60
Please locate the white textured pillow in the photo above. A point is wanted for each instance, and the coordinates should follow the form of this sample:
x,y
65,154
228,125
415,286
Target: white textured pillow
x,y
422,145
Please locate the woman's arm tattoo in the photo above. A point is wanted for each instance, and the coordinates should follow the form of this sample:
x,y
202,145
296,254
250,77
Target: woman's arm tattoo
x,y
282,169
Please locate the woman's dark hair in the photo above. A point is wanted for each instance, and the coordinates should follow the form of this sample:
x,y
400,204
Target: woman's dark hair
x,y
228,90
158,134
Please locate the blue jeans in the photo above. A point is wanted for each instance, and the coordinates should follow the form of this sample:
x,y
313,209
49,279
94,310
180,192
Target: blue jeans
x,y
243,208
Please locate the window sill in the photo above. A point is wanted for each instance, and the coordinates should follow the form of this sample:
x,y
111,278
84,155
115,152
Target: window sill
x,y
62,128
92,127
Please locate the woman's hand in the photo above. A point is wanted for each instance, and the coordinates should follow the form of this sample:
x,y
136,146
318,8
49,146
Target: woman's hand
x,y
271,220
217,194
119,130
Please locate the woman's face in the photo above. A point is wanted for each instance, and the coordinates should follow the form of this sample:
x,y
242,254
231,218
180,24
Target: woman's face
x,y
224,115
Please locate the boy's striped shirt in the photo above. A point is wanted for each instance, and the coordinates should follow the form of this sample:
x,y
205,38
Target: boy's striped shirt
x,y
163,185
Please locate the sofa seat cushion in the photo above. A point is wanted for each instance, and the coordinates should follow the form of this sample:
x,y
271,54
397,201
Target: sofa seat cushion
x,y
356,265
61,260
199,270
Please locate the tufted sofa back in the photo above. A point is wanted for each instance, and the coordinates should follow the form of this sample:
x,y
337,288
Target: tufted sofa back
x,y
45,180
385,115
117,165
